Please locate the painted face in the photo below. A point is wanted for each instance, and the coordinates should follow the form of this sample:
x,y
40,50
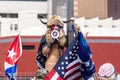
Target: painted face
x,y
55,31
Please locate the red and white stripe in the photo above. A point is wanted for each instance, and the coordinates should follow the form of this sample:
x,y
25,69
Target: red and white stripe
x,y
106,70
72,73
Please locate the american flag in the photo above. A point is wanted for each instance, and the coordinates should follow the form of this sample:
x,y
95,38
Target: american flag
x,y
75,63
13,54
68,67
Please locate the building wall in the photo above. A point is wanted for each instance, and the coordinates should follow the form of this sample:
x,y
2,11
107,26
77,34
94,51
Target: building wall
x,y
27,12
105,50
17,6
13,26
76,9
92,8
114,8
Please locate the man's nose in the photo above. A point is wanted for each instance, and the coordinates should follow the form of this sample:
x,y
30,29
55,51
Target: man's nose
x,y
55,28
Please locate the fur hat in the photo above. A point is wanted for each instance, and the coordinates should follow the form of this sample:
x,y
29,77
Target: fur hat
x,y
55,20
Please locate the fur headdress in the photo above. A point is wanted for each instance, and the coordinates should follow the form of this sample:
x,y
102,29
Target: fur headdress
x,y
55,20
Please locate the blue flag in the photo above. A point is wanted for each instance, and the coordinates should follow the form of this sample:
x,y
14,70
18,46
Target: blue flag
x,y
85,56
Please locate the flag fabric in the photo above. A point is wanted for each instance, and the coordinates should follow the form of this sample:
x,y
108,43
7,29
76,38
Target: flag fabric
x,y
70,66
13,54
40,58
85,57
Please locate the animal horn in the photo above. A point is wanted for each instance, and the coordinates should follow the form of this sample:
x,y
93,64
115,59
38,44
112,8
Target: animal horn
x,y
67,21
71,20
43,21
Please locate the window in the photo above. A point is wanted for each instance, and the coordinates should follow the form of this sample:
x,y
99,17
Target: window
x,y
9,15
15,26
100,26
28,47
86,26
11,28
3,14
13,15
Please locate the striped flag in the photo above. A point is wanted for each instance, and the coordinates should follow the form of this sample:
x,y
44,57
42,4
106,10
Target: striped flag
x,y
13,54
68,67
75,63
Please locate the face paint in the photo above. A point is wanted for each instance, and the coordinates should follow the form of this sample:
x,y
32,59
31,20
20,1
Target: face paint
x,y
55,31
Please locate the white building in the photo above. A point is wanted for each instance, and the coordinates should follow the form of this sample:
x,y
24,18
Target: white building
x,y
17,16
22,16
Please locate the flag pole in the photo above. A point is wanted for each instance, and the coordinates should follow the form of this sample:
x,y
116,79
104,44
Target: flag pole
x,y
70,13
